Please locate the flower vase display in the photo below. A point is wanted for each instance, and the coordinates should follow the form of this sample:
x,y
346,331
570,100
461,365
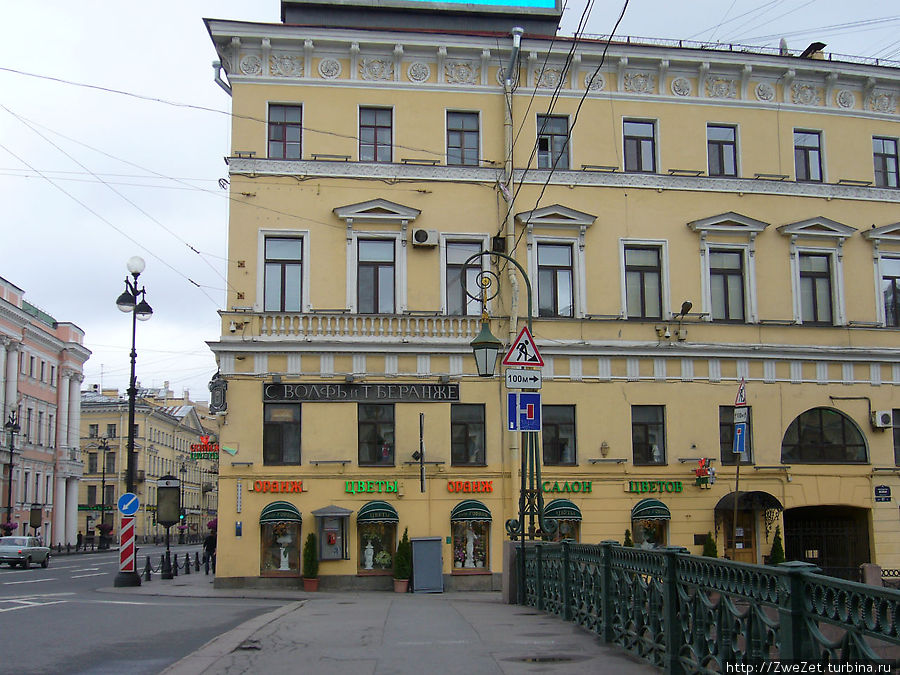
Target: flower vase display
x,y
285,559
369,556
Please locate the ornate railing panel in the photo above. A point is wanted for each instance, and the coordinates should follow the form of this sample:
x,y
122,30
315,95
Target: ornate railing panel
x,y
327,326
689,614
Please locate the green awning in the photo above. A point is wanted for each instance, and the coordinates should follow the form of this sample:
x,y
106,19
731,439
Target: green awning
x,y
470,510
280,512
650,509
562,509
377,512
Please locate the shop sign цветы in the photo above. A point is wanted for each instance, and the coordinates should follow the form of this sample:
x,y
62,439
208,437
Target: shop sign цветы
x,y
357,486
641,486
361,393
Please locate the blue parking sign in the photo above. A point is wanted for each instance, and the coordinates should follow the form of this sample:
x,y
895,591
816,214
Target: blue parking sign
x,y
740,438
524,411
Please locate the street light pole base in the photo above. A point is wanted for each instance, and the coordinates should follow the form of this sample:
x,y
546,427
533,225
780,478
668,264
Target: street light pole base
x,y
127,579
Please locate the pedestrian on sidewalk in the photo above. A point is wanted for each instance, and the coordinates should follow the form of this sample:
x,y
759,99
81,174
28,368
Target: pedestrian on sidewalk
x,y
78,540
209,549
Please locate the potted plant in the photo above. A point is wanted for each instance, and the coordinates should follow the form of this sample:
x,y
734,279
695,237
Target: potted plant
x,y
311,563
776,555
709,546
402,564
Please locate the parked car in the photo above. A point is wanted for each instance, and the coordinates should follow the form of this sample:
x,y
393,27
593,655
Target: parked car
x,y
23,551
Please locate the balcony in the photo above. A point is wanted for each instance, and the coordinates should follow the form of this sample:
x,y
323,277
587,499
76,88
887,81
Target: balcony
x,y
355,327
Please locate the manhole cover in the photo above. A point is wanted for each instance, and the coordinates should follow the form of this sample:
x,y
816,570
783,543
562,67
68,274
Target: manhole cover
x,y
545,659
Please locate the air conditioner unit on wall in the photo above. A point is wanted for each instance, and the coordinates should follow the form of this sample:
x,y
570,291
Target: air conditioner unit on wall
x,y
882,419
422,237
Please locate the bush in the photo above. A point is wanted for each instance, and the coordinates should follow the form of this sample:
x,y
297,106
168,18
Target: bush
x,y
403,558
776,555
310,557
709,546
628,541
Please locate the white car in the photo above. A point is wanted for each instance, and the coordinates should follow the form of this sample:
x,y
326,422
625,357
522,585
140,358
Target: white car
x,y
23,551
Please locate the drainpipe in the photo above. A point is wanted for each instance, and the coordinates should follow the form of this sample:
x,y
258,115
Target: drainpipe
x,y
514,438
217,66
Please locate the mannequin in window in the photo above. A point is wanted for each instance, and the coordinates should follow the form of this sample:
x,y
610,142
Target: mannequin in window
x,y
470,548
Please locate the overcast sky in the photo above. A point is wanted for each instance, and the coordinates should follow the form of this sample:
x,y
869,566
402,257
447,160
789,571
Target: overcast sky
x,y
89,178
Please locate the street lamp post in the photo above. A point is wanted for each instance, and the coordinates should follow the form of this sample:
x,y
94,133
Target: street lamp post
x,y
103,448
133,300
183,523
485,348
12,426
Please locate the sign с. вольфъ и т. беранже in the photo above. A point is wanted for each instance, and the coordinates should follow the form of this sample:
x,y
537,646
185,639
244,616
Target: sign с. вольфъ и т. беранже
x,y
375,392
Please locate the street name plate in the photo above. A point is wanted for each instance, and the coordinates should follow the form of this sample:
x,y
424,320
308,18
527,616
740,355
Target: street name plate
x,y
523,378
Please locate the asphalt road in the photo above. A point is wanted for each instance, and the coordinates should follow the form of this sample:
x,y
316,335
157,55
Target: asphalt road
x,y
55,620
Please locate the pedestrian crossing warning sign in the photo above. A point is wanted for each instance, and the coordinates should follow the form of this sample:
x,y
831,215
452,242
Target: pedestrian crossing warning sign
x,y
524,351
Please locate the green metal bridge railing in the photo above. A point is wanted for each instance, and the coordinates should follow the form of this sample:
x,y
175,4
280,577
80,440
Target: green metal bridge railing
x,y
691,614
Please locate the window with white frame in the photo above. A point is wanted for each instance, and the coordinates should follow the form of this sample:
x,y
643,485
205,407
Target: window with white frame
x,y
721,149
462,138
726,284
376,277
808,156
375,134
643,282
458,302
553,141
284,129
884,153
890,291
283,274
815,288
640,146
556,293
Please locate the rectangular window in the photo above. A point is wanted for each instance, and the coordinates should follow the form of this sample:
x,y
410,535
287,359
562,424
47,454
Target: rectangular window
x,y
648,434
376,434
51,432
53,376
375,278
555,279
93,430
92,462
895,421
890,291
375,131
283,274
462,138
110,462
558,434
643,282
458,303
726,285
25,487
726,436
884,151
43,370
721,150
467,434
92,495
640,147
110,430
808,156
553,142
281,433
815,288
40,428
284,131
110,496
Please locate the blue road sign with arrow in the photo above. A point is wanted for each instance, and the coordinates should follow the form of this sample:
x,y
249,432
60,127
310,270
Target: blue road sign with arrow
x,y
128,504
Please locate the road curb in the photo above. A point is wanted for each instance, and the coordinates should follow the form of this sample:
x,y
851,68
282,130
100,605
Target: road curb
x,y
221,646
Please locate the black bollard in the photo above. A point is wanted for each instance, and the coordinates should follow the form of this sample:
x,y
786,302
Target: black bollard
x,y
197,561
187,563
162,562
206,563
147,568
166,566
175,566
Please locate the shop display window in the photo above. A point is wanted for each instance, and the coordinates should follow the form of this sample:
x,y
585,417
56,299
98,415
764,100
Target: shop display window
x,y
377,545
649,533
470,545
280,549
567,529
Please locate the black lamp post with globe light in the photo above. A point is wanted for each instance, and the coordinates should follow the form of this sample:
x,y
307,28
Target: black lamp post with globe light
x,y
12,426
133,300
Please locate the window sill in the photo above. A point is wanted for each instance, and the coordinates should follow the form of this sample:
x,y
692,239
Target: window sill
x,y
280,573
471,572
374,573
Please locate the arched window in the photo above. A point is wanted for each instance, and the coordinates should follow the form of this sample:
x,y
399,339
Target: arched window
x,y
823,436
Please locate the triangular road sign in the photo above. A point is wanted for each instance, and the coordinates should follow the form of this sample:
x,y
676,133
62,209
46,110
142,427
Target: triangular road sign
x,y
741,398
524,351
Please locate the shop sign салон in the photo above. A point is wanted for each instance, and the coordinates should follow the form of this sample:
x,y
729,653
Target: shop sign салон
x,y
574,486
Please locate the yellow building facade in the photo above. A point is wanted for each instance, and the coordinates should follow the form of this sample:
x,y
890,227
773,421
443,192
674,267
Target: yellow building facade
x,y
688,219
169,441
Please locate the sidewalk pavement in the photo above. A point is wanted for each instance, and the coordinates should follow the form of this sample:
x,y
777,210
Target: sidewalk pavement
x,y
357,633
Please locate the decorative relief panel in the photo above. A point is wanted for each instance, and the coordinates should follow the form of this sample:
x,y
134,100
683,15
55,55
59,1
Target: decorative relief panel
x,y
681,86
251,64
418,72
805,94
721,87
594,81
640,83
882,101
845,99
283,65
548,78
461,72
765,91
376,69
330,69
